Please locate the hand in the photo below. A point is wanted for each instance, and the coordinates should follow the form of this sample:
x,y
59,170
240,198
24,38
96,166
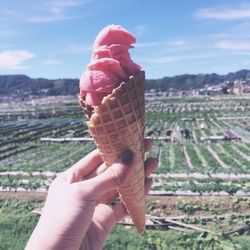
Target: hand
x,y
77,212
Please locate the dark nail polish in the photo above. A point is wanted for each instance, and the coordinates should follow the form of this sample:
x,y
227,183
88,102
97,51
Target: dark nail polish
x,y
127,157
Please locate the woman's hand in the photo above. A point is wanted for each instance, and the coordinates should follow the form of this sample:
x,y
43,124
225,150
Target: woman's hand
x,y
78,213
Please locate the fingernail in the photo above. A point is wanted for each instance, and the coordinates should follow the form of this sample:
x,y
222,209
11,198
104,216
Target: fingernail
x,y
127,157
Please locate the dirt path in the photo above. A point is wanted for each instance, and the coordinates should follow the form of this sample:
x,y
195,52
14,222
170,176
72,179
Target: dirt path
x,y
215,124
187,158
216,156
243,155
23,195
171,206
201,176
193,132
197,205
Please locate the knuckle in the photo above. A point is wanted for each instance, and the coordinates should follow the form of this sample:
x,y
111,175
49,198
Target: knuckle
x,y
81,192
115,177
76,191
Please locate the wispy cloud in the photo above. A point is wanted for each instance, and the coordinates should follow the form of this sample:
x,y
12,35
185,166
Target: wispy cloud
x,y
140,29
52,61
7,14
56,10
59,6
47,18
176,43
7,33
77,49
170,59
246,62
233,45
225,13
11,60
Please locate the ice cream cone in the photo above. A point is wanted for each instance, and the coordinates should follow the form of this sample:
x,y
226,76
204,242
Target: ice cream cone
x,y
116,125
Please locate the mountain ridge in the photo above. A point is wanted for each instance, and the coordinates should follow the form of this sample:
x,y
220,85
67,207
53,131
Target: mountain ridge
x,y
23,85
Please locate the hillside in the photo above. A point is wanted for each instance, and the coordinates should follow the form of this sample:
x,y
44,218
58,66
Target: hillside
x,y
191,81
22,85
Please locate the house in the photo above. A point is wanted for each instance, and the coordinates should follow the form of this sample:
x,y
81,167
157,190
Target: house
x,y
238,87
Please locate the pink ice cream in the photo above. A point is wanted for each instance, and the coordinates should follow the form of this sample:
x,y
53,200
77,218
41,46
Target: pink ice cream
x,y
110,64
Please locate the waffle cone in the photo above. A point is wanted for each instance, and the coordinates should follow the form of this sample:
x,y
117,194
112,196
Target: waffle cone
x,y
116,125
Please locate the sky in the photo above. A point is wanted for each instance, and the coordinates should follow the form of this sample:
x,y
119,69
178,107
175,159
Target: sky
x,y
53,38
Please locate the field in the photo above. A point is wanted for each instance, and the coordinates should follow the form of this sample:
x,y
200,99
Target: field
x,y
201,193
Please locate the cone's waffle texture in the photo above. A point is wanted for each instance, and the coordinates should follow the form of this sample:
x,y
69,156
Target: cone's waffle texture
x,y
116,125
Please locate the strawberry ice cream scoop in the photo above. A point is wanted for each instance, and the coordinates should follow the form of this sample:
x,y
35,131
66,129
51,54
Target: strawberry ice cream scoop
x,y
110,64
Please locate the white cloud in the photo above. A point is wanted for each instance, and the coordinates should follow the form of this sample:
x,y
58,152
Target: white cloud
x,y
56,10
176,43
14,59
58,6
47,18
225,13
7,33
170,59
6,14
233,45
246,62
149,44
78,49
140,30
52,61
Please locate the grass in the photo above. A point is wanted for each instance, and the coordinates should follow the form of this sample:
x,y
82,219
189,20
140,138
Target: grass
x,y
17,222
172,240
21,150
46,157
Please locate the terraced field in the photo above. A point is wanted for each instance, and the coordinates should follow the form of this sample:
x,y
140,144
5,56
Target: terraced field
x,y
206,136
203,146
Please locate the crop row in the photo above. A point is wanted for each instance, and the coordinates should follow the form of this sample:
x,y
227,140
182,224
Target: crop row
x,y
173,158
202,186
165,184
38,129
46,157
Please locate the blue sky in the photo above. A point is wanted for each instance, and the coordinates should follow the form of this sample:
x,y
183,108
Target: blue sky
x,y
53,38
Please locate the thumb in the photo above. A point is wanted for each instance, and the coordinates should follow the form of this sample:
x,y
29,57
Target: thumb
x,y
114,176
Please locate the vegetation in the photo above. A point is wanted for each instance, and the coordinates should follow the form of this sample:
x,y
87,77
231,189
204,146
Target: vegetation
x,y
46,87
16,223
188,164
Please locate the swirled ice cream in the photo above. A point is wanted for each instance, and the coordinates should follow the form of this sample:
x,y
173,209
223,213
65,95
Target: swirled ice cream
x,y
110,64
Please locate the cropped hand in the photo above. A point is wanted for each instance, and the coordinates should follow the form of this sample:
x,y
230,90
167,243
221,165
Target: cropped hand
x,y
78,213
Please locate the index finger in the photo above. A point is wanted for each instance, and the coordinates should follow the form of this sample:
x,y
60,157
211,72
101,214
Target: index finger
x,y
88,166
102,167
84,167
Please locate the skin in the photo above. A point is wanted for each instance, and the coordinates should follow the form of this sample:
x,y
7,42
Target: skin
x,y
78,213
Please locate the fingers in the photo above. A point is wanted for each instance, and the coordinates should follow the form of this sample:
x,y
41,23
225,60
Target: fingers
x,y
100,169
148,185
109,197
148,144
113,177
103,179
151,165
108,216
105,218
88,165
147,147
83,167
119,211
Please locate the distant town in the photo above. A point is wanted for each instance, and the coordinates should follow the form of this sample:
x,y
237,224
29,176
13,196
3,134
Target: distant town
x,y
236,87
22,87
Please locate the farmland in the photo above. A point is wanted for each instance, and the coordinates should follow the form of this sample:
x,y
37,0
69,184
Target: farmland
x,y
203,147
